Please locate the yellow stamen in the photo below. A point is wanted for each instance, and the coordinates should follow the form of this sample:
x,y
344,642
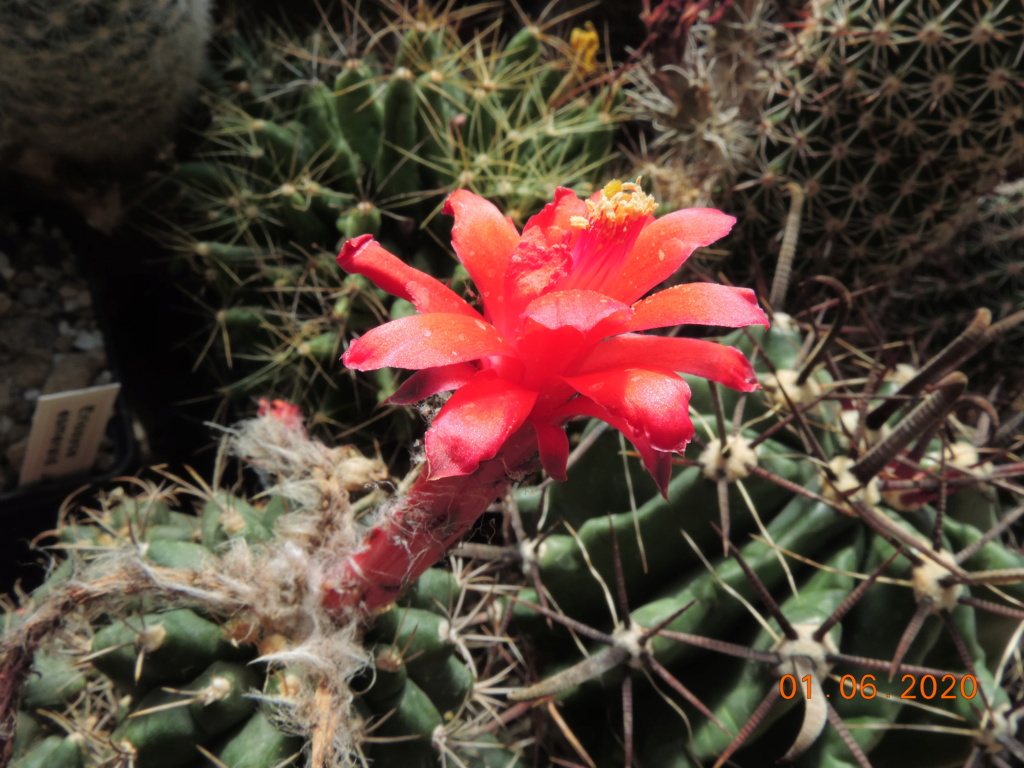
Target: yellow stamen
x,y
615,218
619,204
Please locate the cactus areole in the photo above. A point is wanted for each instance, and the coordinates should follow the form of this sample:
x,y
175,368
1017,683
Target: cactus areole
x,y
556,335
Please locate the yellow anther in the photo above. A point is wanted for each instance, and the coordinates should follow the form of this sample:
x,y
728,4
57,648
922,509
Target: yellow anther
x,y
619,204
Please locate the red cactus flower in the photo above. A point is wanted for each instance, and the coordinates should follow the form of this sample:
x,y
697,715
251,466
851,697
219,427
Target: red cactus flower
x,y
556,335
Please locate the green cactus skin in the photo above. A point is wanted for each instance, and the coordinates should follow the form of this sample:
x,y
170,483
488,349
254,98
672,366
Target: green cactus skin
x,y
97,81
52,752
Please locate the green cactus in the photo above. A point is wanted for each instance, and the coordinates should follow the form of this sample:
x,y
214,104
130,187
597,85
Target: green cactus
x,y
175,633
92,94
317,141
681,604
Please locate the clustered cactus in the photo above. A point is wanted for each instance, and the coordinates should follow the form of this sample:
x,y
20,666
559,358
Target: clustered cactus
x,y
321,136
832,574
836,543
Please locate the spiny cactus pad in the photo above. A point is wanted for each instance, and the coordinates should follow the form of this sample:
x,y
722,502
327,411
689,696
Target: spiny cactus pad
x,y
882,123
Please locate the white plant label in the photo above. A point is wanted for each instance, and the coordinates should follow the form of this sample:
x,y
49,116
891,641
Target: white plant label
x,y
66,432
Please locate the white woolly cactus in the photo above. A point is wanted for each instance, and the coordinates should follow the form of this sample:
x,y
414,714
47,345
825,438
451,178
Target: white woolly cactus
x,y
160,614
97,80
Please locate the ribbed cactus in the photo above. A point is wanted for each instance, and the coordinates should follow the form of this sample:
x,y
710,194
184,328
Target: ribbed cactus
x,y
181,626
866,561
322,137
97,80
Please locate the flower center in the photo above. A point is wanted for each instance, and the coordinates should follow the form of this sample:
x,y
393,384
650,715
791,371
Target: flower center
x,y
612,224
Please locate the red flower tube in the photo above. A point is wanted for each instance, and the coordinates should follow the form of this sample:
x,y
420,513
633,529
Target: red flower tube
x,y
556,335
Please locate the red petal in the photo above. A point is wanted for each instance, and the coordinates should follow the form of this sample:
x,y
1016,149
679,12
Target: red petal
x,y
424,341
430,381
707,359
554,448
581,310
653,402
697,304
535,265
555,220
474,423
664,245
546,353
366,256
483,239
658,463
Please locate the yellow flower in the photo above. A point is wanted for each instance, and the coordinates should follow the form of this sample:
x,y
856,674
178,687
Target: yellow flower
x,y
585,44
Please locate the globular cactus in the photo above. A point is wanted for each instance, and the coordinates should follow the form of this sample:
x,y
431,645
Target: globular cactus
x,y
881,123
316,137
97,81
986,263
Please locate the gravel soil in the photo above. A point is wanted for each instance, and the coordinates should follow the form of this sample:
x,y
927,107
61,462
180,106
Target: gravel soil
x,y
50,337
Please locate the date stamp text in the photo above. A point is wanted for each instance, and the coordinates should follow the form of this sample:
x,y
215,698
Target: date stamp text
x,y
926,687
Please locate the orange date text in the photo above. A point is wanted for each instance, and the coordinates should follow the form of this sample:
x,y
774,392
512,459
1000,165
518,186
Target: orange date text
x,y
925,686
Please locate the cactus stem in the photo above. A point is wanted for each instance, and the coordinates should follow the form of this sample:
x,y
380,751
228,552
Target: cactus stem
x,y
429,518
